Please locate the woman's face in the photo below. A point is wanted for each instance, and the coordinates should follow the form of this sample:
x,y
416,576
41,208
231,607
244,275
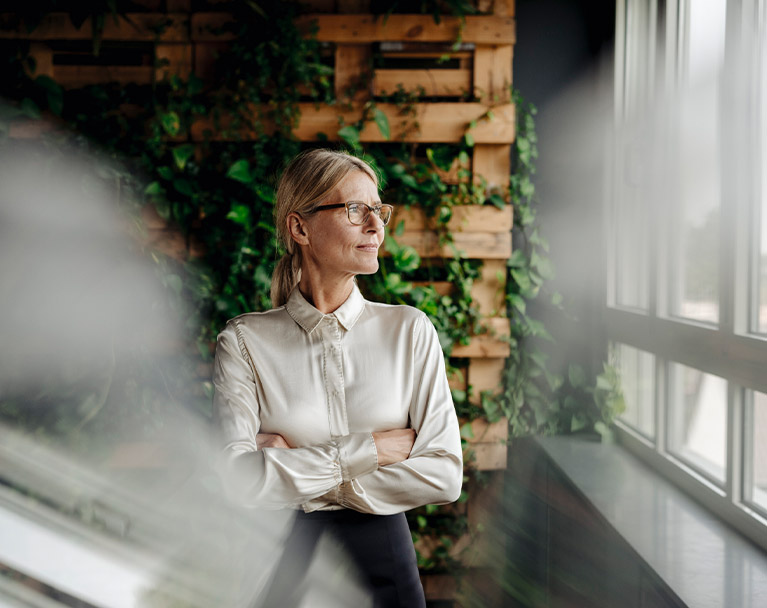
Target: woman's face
x,y
333,245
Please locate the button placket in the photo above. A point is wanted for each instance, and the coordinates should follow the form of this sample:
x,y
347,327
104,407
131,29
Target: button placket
x,y
334,378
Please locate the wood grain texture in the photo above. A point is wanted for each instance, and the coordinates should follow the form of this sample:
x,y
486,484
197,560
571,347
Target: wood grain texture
x,y
465,218
170,27
429,122
372,28
444,83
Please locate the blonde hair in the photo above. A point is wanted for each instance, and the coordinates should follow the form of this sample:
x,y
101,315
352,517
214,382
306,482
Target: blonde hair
x,y
305,183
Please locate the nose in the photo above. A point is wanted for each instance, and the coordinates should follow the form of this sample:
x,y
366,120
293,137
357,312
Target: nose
x,y
373,223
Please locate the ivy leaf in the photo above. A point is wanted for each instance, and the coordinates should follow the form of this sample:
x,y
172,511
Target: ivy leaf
x,y
517,259
576,375
171,123
239,214
240,171
467,431
165,172
154,189
183,186
29,108
383,123
577,423
518,302
54,93
351,135
469,139
181,154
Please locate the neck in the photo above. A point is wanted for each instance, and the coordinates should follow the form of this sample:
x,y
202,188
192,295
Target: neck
x,y
326,296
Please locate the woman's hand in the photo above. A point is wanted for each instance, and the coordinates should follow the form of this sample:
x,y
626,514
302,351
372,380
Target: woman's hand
x,y
271,440
393,446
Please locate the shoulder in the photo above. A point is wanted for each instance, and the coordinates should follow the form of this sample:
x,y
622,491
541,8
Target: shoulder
x,y
395,311
253,322
405,317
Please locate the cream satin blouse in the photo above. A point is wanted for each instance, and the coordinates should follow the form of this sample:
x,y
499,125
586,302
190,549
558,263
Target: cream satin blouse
x,y
325,383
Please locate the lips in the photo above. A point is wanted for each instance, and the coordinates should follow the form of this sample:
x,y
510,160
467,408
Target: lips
x,y
372,247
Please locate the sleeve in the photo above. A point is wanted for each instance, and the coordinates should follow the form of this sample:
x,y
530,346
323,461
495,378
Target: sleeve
x,y
433,473
274,478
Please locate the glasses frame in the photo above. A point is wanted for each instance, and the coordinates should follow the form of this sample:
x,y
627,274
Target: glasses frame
x,y
371,209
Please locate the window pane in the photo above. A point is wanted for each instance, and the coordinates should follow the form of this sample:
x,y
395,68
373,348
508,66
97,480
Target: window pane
x,y
758,481
637,374
694,285
761,216
631,252
698,419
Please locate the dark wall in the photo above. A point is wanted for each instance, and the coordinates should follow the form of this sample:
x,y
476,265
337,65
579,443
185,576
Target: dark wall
x,y
563,65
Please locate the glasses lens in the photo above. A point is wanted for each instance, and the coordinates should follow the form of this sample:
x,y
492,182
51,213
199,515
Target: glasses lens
x,y
359,212
385,213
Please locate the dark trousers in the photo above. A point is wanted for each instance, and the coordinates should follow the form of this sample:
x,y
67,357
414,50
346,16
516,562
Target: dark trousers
x,y
380,546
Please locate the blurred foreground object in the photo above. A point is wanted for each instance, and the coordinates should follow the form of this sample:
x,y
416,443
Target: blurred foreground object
x,y
108,495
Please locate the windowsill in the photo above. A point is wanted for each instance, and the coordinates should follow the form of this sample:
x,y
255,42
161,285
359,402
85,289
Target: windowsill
x,y
701,559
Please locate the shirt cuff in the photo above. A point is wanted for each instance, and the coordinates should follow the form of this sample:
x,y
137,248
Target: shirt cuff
x,y
358,455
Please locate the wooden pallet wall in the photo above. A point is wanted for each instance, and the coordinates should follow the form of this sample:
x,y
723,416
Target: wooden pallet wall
x,y
408,49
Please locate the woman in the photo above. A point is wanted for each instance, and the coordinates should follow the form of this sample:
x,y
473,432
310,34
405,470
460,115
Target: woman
x,y
333,405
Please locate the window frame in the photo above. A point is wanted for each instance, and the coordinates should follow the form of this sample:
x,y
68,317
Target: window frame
x,y
732,349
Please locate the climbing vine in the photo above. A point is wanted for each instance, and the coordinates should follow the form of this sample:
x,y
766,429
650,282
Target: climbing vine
x,y
219,193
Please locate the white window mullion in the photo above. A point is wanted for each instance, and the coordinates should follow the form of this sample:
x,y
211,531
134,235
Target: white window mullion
x,y
735,444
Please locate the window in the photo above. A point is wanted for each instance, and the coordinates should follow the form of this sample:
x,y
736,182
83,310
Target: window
x,y
686,302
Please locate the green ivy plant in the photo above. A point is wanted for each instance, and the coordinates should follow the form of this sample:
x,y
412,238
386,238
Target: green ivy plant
x,y
220,192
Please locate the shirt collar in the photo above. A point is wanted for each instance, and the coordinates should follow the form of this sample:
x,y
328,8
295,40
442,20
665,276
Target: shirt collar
x,y
308,317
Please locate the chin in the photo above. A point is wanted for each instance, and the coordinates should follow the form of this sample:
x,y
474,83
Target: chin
x,y
369,269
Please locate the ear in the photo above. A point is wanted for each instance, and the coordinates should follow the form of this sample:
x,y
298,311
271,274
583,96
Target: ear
x,y
298,229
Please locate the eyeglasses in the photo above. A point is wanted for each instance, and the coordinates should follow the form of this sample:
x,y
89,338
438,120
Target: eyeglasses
x,y
359,212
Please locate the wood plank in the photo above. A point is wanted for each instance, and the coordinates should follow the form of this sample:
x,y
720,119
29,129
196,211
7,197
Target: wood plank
x,y
465,218
178,57
83,75
43,59
489,291
489,345
431,122
445,83
457,380
172,27
352,66
485,375
492,72
443,288
353,6
493,163
319,6
438,587
488,432
504,8
359,29
472,245
205,55
370,28
30,129
178,6
489,456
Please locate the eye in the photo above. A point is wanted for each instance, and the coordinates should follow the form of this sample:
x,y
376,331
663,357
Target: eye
x,y
354,207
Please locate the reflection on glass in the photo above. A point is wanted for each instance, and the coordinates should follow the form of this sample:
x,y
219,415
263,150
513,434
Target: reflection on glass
x,y
761,314
698,419
631,252
694,285
637,374
758,431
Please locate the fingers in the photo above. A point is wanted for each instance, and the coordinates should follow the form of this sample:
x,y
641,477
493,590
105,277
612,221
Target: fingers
x,y
271,440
